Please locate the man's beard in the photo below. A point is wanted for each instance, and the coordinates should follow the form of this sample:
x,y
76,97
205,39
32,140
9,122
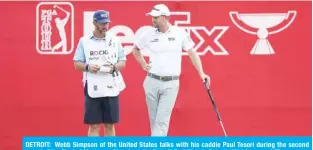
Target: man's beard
x,y
101,31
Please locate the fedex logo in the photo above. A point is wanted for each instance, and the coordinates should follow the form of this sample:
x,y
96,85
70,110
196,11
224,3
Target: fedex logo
x,y
202,47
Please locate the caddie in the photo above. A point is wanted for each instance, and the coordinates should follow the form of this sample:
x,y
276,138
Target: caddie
x,y
100,57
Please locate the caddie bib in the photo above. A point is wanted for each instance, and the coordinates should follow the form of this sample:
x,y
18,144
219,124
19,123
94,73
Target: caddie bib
x,y
102,52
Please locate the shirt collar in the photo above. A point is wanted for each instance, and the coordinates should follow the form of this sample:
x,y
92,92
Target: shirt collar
x,y
95,38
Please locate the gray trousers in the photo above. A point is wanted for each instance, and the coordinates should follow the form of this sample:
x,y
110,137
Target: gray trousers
x,y
160,97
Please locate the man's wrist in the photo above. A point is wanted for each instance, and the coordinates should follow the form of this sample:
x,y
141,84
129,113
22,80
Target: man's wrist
x,y
113,68
201,73
87,67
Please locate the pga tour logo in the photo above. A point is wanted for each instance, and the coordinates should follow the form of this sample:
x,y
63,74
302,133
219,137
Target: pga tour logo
x,y
54,28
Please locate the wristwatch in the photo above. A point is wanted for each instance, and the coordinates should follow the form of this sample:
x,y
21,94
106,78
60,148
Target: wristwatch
x,y
113,70
87,68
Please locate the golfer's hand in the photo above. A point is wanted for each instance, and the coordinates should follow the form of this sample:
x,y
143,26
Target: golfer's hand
x,y
94,68
146,67
204,78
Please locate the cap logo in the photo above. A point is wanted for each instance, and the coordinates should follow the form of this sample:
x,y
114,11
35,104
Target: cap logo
x,y
155,9
104,15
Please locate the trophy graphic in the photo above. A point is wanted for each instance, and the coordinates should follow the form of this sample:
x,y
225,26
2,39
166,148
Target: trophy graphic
x,y
263,22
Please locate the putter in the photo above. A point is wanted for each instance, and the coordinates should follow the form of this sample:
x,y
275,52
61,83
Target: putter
x,y
214,106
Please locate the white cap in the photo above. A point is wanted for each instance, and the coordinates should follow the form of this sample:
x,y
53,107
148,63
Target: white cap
x,y
159,10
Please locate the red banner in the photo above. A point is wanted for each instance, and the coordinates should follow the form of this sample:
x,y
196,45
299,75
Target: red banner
x,y
258,55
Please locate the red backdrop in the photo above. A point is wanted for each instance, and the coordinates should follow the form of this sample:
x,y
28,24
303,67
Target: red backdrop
x,y
42,94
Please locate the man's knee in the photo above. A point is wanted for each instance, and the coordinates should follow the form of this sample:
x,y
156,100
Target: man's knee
x,y
94,127
109,126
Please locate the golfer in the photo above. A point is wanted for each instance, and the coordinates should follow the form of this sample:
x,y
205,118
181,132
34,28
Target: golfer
x,y
161,85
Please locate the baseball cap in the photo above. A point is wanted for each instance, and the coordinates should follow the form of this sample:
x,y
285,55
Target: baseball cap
x,y
101,16
159,10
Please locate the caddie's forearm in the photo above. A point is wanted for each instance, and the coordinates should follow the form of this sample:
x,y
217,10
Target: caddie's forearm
x,y
120,65
196,61
139,58
80,66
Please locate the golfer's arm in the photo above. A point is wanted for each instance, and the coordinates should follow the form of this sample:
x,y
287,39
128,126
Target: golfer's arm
x,y
80,66
138,56
196,61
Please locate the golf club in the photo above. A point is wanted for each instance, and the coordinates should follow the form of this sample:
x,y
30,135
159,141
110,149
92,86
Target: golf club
x,y
214,106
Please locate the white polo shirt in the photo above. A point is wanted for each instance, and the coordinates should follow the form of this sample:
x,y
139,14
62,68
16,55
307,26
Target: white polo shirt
x,y
165,49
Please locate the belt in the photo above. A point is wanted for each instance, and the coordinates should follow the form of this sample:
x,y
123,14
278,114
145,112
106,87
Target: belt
x,y
163,78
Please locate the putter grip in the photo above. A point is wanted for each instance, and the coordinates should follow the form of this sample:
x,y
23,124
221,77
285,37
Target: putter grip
x,y
205,83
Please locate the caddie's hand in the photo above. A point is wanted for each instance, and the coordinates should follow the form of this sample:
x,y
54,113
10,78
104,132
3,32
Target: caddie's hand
x,y
204,78
110,66
147,66
94,68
